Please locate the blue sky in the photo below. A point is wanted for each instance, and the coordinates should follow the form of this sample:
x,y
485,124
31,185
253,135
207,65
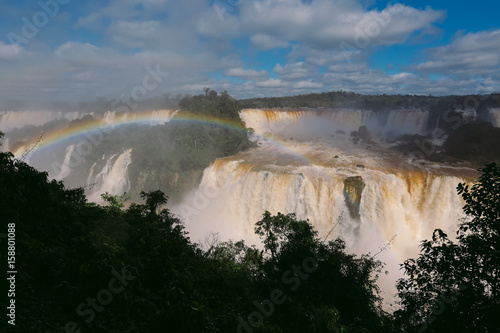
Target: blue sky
x,y
73,51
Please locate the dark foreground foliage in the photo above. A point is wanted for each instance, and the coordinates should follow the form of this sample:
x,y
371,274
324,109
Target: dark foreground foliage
x,y
88,268
455,286
478,142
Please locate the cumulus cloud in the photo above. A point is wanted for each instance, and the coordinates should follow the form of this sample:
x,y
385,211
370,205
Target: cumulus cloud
x,y
11,51
136,33
294,71
76,49
307,85
304,46
267,42
324,24
471,55
246,74
271,83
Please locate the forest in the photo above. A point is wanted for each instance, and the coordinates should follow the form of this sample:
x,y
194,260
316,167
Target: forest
x,y
380,102
181,148
83,267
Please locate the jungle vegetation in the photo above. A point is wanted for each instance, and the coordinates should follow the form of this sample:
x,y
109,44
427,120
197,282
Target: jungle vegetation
x,y
83,267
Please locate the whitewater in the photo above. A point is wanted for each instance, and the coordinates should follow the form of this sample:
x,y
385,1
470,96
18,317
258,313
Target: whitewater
x,y
307,162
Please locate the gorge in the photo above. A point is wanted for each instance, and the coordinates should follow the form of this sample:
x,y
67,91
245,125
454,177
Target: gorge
x,y
336,167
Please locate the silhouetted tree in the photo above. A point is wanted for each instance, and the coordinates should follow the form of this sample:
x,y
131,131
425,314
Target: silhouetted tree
x,y
327,289
453,287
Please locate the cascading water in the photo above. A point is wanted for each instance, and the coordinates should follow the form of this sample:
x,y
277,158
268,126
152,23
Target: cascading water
x,y
407,121
68,156
408,203
305,123
109,119
113,177
310,123
307,163
10,120
495,117
5,145
361,192
66,167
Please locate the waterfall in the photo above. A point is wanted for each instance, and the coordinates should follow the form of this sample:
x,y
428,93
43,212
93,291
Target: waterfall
x,y
10,120
160,117
495,117
90,178
109,117
366,205
113,177
310,123
407,121
5,145
410,204
305,122
66,167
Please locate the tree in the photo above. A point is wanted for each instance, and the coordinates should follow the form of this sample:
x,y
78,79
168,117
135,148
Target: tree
x,y
454,287
115,202
329,290
281,233
71,253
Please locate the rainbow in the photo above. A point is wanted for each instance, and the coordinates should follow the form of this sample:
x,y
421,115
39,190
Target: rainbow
x,y
82,127
112,120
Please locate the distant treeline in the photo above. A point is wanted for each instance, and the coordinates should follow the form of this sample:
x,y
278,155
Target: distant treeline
x,y
468,138
347,99
333,99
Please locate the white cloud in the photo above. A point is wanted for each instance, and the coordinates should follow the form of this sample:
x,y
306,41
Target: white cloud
x,y
474,54
246,74
82,55
73,49
311,40
135,34
294,71
266,42
403,77
11,51
88,21
323,24
271,83
307,85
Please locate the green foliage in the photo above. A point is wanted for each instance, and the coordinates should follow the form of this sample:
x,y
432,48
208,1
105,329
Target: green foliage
x,y
180,150
281,232
454,287
327,289
474,142
377,103
68,249
115,202
172,157
221,106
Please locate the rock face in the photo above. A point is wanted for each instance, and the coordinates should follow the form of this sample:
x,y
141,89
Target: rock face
x,y
364,133
353,187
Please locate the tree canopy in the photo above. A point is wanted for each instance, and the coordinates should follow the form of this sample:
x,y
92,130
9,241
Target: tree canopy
x,y
83,267
454,286
89,268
